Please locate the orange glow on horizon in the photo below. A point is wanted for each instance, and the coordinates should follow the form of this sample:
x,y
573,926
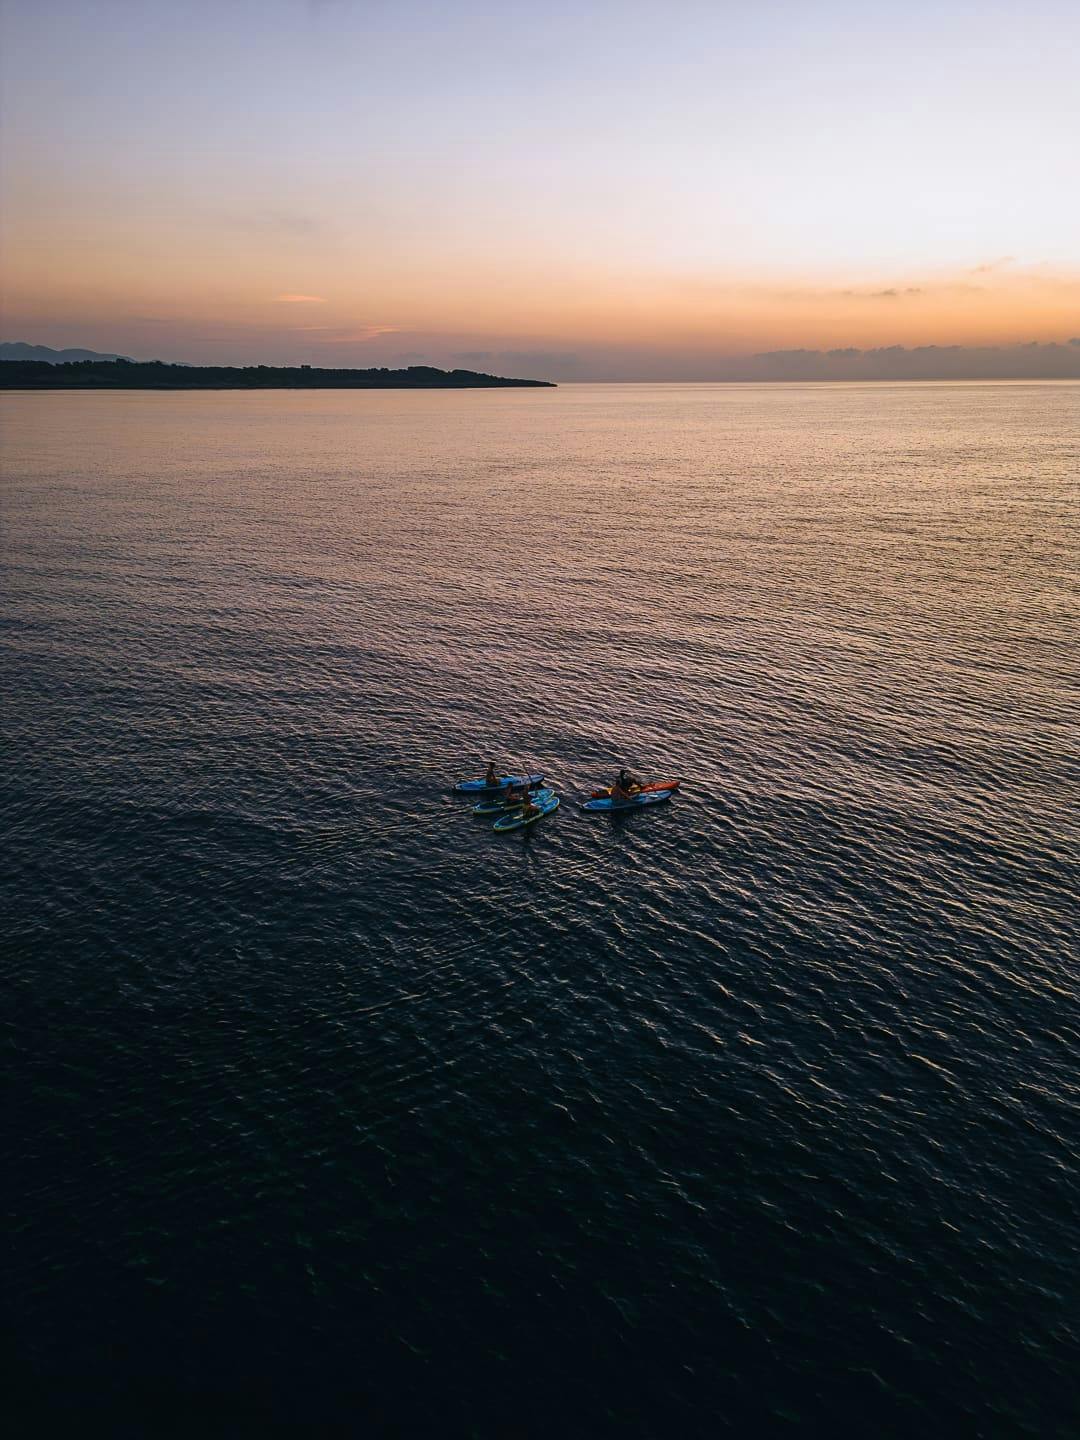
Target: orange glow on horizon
x,y
247,303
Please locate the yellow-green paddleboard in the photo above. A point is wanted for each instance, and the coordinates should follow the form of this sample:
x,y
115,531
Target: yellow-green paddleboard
x,y
516,820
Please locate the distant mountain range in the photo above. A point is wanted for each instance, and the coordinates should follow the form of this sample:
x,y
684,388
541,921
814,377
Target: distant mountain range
x,y
19,350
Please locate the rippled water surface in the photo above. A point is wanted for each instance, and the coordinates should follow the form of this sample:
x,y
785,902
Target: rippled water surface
x,y
753,1113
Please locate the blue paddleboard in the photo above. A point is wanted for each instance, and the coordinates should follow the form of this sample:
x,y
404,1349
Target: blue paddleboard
x,y
652,797
481,786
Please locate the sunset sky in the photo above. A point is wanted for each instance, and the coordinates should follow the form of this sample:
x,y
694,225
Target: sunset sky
x,y
569,190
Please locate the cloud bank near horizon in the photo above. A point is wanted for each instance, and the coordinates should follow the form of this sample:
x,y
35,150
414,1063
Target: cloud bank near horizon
x,y
1029,361
1033,360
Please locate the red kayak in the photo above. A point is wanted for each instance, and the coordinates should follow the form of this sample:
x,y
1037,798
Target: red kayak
x,y
649,789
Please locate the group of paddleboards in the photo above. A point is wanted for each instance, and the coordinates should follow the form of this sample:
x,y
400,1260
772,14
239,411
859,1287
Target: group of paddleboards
x,y
520,800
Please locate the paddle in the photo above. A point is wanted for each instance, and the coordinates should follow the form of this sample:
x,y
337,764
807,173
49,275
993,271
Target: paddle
x,y
529,788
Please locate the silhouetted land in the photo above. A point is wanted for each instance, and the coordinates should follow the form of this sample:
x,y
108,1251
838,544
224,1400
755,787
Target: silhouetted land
x,y
155,375
19,350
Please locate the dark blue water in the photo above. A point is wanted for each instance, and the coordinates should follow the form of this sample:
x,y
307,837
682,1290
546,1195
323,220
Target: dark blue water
x,y
753,1113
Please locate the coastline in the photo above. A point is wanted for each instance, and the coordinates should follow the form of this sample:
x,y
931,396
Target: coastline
x,y
156,375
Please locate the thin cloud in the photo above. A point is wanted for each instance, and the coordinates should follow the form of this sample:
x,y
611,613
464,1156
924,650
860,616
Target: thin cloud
x,y
299,300
990,265
341,334
826,296
351,335
892,293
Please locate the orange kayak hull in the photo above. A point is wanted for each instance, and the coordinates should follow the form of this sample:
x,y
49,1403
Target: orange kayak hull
x,y
649,789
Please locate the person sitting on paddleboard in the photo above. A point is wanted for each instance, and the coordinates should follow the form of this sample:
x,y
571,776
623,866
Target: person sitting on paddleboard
x,y
491,778
528,809
516,794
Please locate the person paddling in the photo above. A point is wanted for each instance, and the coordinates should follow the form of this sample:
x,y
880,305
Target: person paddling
x,y
491,779
528,809
625,787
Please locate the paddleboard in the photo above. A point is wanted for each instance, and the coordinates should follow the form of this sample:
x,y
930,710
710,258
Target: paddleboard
x,y
654,797
515,820
496,806
482,786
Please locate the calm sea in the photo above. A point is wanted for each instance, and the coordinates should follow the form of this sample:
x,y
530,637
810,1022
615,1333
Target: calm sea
x,y
754,1113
